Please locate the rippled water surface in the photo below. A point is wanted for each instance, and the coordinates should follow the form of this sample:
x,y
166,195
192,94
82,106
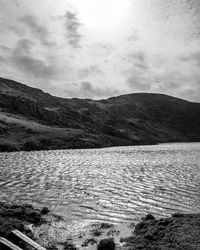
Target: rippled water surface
x,y
112,184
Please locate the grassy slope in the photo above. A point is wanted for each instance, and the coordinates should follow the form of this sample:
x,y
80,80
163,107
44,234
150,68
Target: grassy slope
x,y
31,119
16,131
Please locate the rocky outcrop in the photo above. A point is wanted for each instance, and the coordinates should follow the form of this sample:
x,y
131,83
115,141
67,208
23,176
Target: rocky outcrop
x,y
106,244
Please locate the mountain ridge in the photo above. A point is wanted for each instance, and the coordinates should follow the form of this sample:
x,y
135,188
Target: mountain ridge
x,y
12,82
31,119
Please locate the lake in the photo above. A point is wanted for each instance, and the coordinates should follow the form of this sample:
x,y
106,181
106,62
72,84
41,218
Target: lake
x,y
118,184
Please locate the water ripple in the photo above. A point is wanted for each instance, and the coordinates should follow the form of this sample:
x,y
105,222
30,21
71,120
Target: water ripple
x,y
112,184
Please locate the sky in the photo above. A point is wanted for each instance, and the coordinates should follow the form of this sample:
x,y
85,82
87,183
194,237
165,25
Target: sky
x,y
101,48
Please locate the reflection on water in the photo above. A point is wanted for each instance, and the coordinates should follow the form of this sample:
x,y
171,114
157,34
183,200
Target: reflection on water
x,y
111,184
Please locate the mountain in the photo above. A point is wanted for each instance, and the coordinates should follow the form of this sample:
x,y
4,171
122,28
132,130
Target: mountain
x,y
33,120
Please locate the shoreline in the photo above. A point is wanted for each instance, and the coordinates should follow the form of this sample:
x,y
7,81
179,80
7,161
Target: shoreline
x,y
93,147
178,232
10,150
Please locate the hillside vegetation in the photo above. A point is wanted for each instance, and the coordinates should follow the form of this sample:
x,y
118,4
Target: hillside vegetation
x,y
33,120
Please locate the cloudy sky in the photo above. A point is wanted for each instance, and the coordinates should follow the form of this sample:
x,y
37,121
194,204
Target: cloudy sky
x,y
102,48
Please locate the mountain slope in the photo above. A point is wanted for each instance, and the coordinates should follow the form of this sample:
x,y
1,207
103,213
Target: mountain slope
x,y
32,120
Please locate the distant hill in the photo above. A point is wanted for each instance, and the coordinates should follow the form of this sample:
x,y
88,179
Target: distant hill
x,y
33,120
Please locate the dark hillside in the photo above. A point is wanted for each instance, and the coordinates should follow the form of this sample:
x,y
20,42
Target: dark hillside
x,y
32,120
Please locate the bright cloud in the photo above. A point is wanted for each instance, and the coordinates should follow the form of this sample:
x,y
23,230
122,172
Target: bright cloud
x,y
100,48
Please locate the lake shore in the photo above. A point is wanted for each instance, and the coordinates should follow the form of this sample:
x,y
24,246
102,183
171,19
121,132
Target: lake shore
x,y
178,232
181,231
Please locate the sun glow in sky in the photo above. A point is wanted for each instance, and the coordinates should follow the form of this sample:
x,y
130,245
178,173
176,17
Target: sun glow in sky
x,y
102,48
103,15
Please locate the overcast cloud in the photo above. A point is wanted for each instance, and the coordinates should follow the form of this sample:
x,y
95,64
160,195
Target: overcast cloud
x,y
101,48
